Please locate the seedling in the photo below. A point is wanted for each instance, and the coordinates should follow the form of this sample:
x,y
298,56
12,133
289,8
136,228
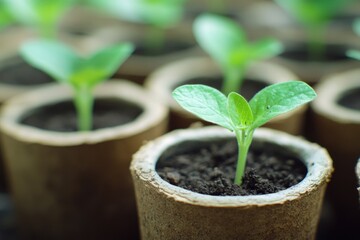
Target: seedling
x,y
315,15
158,14
226,43
5,16
81,73
238,115
44,15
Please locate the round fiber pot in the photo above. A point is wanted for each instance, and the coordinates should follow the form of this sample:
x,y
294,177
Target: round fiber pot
x,y
76,185
203,70
296,58
335,123
170,212
179,44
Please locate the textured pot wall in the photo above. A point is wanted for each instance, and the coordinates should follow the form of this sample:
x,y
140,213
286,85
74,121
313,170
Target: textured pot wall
x,y
164,218
76,185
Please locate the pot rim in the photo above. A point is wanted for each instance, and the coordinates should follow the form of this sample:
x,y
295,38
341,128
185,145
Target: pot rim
x,y
163,80
153,114
316,159
330,90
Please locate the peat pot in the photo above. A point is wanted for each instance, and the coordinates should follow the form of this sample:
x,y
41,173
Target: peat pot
x,y
203,70
335,124
170,212
76,185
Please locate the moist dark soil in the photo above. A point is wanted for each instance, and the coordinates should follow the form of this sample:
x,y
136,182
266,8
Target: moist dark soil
x,y
248,90
167,48
209,168
17,72
61,117
351,99
299,52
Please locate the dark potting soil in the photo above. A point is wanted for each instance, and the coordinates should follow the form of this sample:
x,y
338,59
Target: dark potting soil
x,y
61,117
248,90
209,168
18,72
167,48
299,52
351,99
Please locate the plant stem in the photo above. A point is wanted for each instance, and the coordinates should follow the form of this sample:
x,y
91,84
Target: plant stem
x,y
84,105
155,39
244,138
316,47
233,80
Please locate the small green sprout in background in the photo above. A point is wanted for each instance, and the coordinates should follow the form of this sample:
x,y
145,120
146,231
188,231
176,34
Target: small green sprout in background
x,y
82,74
355,53
238,115
315,16
44,15
226,43
158,14
6,17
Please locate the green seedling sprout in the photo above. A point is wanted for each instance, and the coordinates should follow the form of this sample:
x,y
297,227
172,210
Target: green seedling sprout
x,y
226,43
315,16
238,115
81,73
6,17
43,15
158,14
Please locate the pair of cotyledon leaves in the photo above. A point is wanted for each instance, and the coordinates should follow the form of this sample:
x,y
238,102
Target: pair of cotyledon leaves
x,y
313,12
226,43
234,112
65,65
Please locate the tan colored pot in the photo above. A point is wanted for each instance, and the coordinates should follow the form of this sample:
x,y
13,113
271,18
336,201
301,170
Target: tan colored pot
x,y
164,80
76,185
170,212
138,67
337,128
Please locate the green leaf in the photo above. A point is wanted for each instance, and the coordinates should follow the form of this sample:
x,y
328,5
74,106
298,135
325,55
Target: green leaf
x,y
266,48
239,111
313,12
205,102
101,65
279,98
356,26
52,57
218,36
353,54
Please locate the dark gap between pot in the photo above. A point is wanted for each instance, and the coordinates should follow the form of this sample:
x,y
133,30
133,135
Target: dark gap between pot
x,y
61,117
167,48
299,52
208,167
16,71
248,90
350,99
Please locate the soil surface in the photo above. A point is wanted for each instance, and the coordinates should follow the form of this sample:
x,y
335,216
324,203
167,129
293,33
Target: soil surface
x,y
351,99
17,72
61,117
300,52
210,169
248,90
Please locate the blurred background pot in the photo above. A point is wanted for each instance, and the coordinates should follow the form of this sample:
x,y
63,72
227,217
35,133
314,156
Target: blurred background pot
x,y
335,124
76,185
